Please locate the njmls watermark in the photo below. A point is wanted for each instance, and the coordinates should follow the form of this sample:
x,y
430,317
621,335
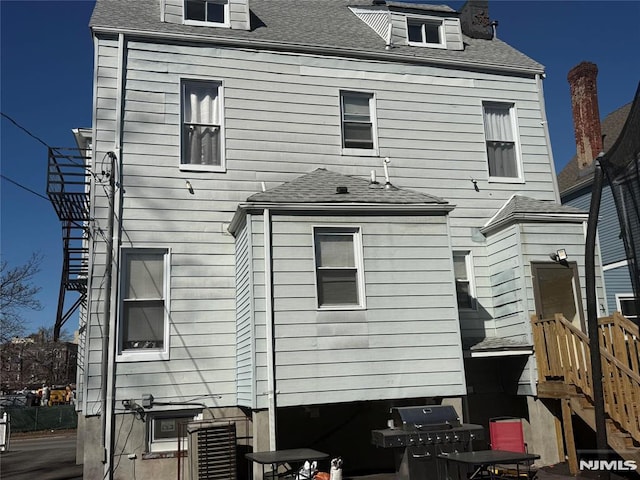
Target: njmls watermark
x,y
604,460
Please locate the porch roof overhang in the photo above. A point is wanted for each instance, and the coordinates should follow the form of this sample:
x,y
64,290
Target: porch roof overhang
x,y
333,208
325,191
495,347
520,209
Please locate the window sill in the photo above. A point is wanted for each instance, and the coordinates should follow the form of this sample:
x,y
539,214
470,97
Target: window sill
x,y
187,167
506,180
202,23
360,152
427,45
160,455
142,356
341,308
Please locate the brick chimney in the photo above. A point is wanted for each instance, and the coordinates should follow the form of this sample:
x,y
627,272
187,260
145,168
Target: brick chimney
x,y
586,115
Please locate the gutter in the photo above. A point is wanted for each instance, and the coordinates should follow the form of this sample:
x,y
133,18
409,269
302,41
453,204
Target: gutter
x,y
112,260
315,49
578,186
529,217
434,208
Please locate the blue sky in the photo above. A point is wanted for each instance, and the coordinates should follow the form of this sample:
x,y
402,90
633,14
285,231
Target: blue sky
x,y
46,74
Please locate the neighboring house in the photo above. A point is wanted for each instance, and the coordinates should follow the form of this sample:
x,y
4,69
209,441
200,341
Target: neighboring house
x,y
30,362
318,210
575,182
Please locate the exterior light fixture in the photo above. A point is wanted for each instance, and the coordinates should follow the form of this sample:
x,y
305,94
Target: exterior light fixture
x,y
559,256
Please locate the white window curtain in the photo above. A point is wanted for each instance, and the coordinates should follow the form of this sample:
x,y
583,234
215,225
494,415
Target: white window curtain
x,y
500,141
201,124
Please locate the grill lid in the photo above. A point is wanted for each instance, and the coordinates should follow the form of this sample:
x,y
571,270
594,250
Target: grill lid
x,y
426,417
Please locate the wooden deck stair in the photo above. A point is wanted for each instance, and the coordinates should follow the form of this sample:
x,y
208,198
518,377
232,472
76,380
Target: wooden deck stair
x,y
564,372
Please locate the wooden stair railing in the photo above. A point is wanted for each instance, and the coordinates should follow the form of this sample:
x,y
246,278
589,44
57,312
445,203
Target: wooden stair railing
x,y
563,355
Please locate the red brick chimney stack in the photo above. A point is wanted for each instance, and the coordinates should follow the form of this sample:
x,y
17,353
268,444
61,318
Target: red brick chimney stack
x,y
586,115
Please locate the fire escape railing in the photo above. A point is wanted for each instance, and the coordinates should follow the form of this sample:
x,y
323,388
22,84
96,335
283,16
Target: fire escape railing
x,y
68,188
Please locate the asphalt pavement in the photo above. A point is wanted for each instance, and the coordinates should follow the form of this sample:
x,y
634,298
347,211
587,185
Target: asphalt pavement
x,y
49,456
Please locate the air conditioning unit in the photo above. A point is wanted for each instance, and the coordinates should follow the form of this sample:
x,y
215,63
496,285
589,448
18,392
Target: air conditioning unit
x,y
212,450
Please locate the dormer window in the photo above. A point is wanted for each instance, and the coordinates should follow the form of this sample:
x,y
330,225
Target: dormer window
x,y
425,32
206,12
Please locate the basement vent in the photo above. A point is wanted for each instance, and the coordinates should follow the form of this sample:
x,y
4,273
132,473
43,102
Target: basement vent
x,y
212,450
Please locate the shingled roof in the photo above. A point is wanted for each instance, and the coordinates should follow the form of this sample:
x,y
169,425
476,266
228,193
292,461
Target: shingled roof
x,y
321,186
570,178
326,26
519,207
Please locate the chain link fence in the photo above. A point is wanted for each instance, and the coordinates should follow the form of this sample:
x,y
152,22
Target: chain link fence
x,y
33,419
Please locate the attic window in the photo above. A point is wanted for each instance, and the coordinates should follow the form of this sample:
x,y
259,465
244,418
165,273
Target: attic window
x,y
425,32
209,12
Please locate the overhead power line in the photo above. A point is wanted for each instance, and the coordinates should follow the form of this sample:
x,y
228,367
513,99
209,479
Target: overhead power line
x,y
24,129
38,139
23,187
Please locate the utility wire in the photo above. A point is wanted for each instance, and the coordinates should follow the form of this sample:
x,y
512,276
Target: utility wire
x,y
38,139
24,129
23,187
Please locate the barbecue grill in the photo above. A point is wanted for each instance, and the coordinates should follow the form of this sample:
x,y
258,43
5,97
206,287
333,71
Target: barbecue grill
x,y
419,434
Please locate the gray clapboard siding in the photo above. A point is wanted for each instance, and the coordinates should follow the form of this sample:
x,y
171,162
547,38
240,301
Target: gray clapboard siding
x,y
283,97
506,274
611,246
239,14
300,333
618,281
244,318
172,11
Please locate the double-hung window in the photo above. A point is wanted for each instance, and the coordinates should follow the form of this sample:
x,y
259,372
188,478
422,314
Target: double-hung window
x,y
339,271
500,136
462,270
358,123
144,321
425,32
210,12
202,140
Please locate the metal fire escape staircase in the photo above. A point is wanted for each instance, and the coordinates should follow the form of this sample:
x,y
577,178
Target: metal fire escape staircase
x,y
68,188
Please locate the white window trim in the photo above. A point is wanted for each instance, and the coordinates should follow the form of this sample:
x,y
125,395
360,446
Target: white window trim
x,y
144,355
169,444
468,261
201,23
513,114
361,152
624,296
356,231
427,19
190,167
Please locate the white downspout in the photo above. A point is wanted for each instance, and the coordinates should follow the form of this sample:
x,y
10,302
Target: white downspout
x,y
268,299
116,181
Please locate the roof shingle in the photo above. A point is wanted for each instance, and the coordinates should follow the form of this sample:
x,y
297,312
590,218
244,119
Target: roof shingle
x,y
519,206
321,186
303,24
